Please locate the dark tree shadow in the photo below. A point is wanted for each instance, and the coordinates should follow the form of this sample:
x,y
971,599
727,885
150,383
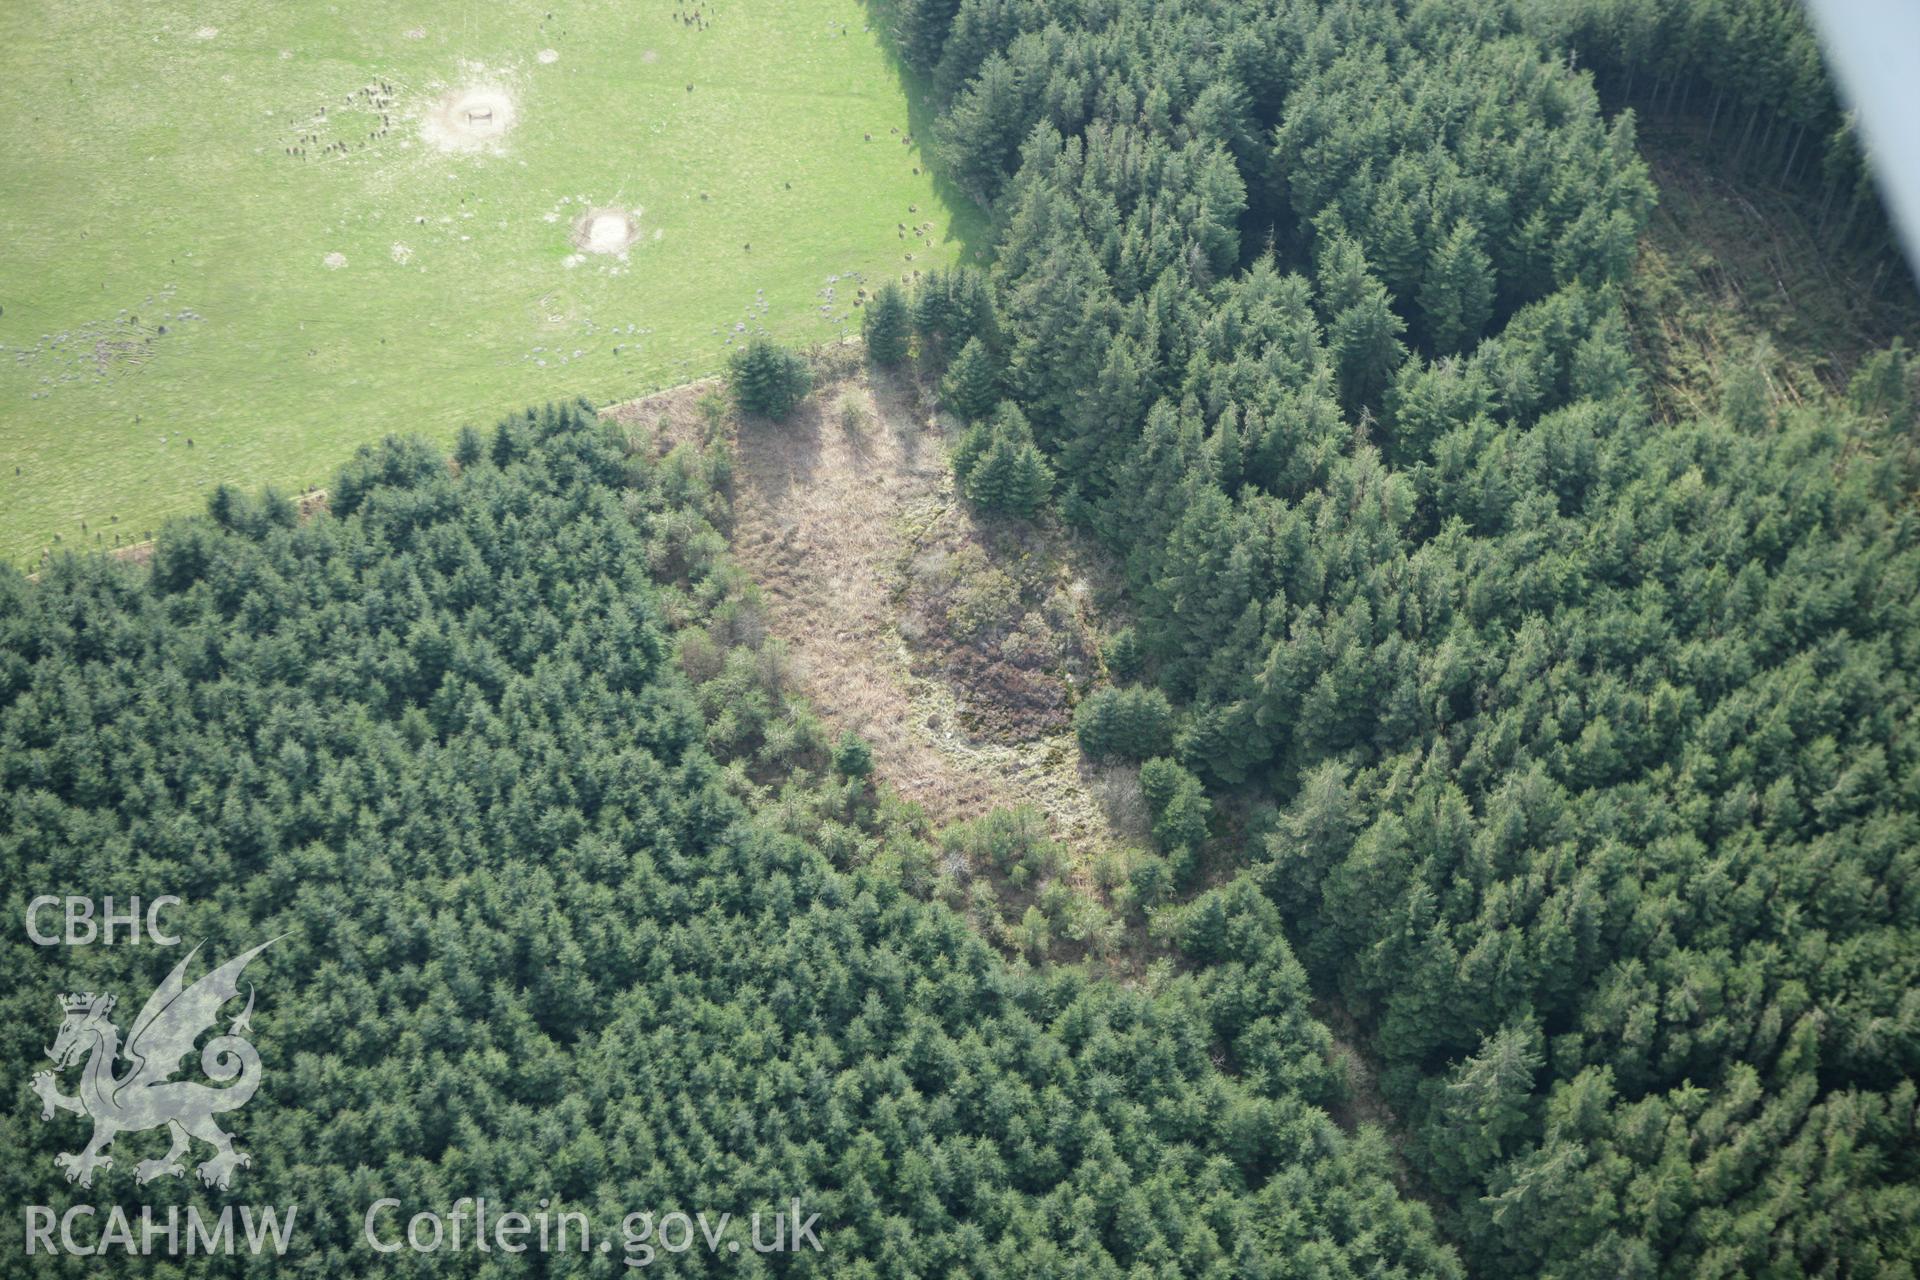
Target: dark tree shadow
x,y
968,225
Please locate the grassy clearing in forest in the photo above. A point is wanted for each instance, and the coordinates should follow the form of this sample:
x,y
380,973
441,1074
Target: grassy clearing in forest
x,y
953,644
900,607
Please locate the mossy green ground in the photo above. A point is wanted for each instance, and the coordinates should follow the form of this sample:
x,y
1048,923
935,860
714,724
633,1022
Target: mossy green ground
x,y
148,187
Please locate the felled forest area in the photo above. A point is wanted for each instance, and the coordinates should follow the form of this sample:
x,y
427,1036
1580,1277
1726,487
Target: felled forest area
x,y
1587,734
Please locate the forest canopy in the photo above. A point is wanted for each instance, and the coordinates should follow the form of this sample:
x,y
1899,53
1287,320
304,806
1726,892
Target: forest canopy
x,y
1589,733
543,934
1559,749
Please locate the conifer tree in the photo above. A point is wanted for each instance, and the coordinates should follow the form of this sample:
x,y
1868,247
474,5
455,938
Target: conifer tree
x,y
1363,332
1133,723
999,466
972,448
952,306
920,30
1030,481
887,325
1457,294
853,758
1365,339
768,379
1124,654
1883,385
972,386
469,447
1178,803
991,484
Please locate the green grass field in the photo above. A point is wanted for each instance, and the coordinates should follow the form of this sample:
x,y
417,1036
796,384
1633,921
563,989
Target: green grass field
x,y
173,273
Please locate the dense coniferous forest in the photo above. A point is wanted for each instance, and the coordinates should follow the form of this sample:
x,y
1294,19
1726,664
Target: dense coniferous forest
x,y
1590,733
1562,749
558,921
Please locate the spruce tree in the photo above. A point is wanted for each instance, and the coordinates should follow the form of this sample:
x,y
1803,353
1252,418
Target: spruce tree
x,y
768,379
969,453
999,466
852,758
1365,339
1097,724
469,448
1882,386
1123,653
991,484
1457,294
920,30
887,324
972,386
930,310
1134,723
1177,801
1029,482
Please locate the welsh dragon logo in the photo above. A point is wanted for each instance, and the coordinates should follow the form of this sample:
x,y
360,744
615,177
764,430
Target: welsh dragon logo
x,y
126,1089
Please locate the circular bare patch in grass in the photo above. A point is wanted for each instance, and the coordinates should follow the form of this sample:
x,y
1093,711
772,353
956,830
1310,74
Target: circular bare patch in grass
x,y
605,230
469,119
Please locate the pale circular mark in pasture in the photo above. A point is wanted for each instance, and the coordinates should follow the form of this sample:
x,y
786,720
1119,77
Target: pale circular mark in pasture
x,y
605,230
469,119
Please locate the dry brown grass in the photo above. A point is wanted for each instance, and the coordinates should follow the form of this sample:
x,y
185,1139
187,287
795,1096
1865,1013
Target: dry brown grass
x,y
831,511
672,417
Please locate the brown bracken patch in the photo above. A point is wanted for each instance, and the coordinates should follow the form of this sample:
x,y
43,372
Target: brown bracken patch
x,y
952,645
